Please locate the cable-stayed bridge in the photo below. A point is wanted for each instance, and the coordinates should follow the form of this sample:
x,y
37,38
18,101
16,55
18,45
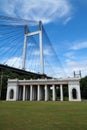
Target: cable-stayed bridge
x,y
25,45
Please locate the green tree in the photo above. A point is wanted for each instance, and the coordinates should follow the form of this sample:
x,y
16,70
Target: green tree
x,y
83,87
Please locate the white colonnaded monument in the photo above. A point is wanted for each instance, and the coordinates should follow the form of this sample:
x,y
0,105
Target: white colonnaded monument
x,y
39,89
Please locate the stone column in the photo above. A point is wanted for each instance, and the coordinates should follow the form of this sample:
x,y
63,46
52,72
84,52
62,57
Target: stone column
x,y
31,90
46,93
54,92
61,92
38,92
70,92
78,93
24,93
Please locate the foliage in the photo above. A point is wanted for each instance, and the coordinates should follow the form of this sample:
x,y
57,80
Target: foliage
x,y
83,86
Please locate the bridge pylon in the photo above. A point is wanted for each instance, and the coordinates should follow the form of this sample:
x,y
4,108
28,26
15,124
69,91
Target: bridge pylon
x,y
28,34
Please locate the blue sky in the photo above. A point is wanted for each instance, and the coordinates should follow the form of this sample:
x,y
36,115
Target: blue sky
x,y
65,22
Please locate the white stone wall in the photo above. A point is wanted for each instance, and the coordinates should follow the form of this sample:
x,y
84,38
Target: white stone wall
x,y
76,86
15,93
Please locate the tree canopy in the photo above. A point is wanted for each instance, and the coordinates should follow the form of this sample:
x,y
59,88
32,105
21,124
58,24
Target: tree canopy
x,y
83,87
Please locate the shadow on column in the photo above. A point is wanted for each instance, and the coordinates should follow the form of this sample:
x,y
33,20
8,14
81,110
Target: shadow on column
x,y
65,93
20,93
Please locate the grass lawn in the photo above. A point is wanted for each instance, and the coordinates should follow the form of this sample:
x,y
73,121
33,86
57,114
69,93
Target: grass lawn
x,y
43,115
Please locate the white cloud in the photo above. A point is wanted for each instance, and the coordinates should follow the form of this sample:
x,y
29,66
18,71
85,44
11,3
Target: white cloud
x,y
45,10
34,66
71,63
76,66
36,52
46,52
30,44
8,7
70,55
14,61
72,66
78,45
67,20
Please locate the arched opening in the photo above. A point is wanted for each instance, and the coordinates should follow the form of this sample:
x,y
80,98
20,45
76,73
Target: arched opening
x,y
74,93
11,94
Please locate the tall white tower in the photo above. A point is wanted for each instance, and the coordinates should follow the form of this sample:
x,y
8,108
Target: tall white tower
x,y
28,34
